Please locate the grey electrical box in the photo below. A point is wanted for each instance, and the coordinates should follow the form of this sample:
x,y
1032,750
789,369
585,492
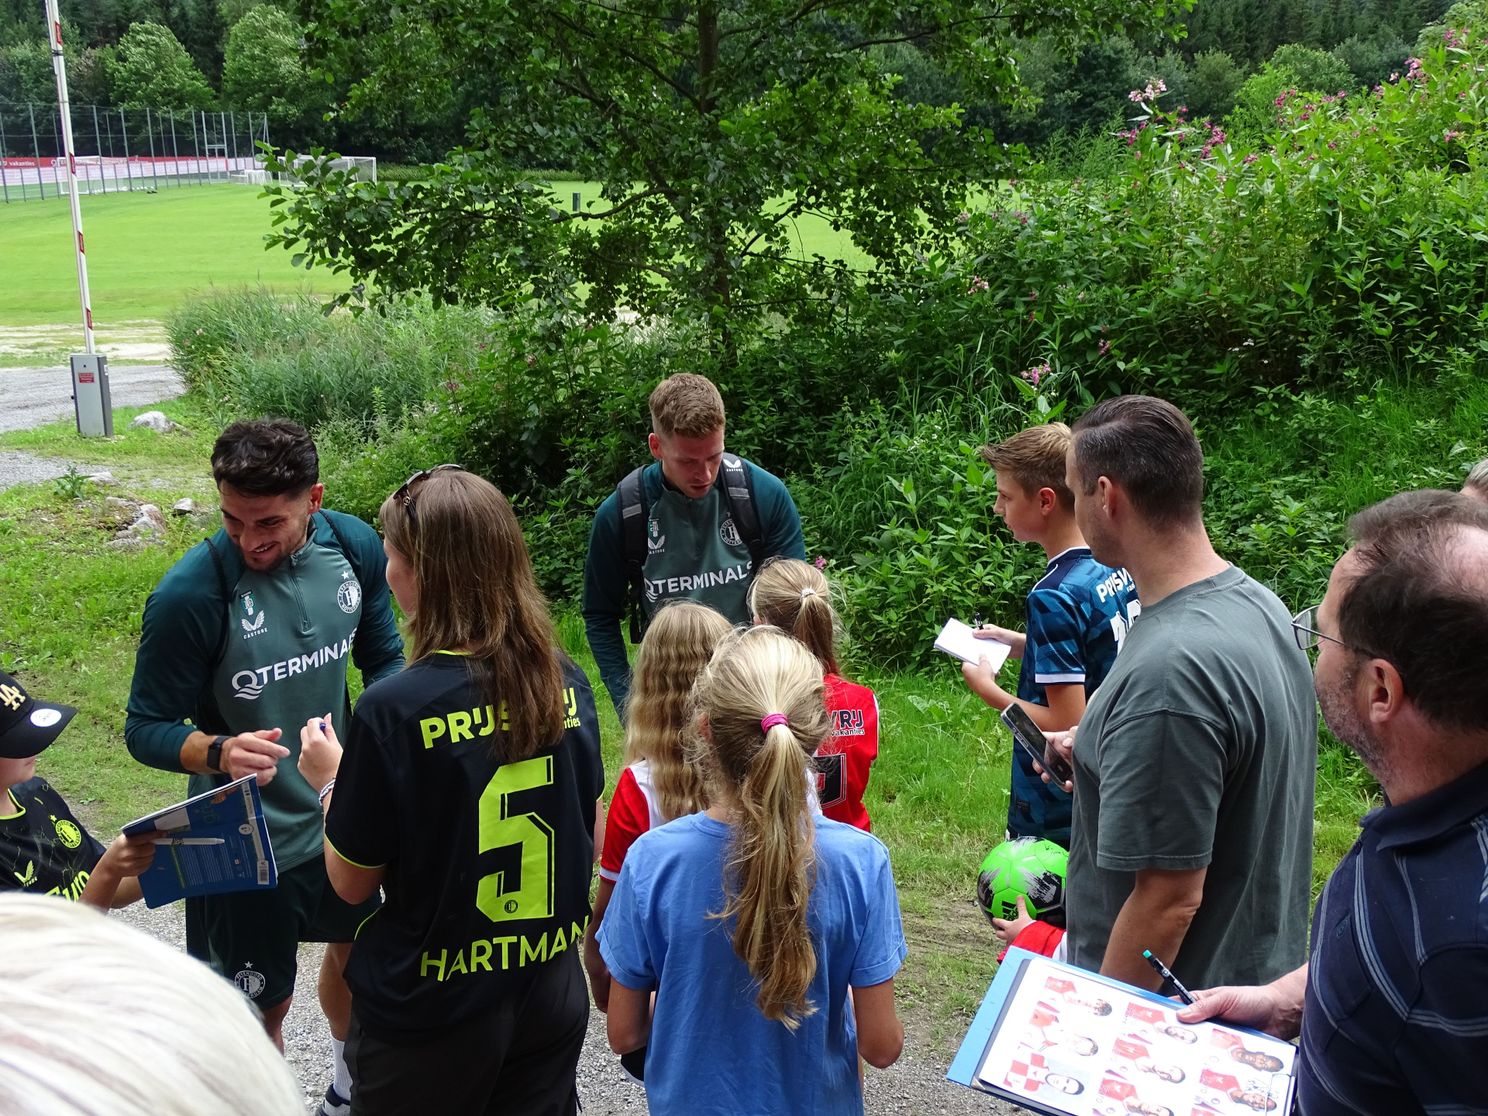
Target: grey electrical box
x,y
90,395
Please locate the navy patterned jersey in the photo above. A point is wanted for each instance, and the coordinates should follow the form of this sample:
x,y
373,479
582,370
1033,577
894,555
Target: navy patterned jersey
x,y
1078,615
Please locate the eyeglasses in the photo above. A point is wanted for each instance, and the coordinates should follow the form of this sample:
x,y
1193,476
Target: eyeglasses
x,y
405,493
1304,630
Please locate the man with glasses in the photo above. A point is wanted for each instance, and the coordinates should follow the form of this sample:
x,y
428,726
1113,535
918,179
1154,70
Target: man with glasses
x,y
1393,1006
1194,760
244,639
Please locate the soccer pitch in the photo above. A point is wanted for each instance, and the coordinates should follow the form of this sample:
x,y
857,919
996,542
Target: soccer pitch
x,y
146,253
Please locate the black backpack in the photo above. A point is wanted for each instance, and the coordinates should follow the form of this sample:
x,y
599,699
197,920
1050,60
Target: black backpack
x,y
635,512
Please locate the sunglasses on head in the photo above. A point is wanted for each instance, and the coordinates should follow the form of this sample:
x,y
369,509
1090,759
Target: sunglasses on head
x,y
405,494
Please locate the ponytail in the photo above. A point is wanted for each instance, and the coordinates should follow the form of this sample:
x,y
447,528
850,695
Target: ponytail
x,y
762,705
796,597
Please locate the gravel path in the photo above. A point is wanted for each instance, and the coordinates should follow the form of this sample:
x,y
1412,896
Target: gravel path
x,y
914,1086
37,395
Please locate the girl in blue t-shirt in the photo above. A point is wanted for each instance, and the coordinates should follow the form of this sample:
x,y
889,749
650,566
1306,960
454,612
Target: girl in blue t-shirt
x,y
753,920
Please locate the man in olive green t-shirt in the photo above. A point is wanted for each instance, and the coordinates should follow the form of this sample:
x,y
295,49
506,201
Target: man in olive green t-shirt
x,y
1195,759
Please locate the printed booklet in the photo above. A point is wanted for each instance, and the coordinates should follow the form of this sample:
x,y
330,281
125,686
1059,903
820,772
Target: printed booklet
x,y
212,843
1056,1039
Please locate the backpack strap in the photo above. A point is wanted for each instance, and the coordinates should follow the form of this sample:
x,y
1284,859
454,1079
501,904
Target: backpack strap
x,y
221,569
340,539
631,493
738,490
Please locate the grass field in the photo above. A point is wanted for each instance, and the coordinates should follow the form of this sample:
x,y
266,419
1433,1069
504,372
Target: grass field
x,y
148,252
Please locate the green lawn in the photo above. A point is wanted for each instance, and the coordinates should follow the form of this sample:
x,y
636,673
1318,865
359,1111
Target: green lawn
x,y
146,253
812,235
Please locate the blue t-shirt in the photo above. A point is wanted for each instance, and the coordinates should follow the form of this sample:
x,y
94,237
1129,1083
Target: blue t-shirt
x,y
711,1050
1078,616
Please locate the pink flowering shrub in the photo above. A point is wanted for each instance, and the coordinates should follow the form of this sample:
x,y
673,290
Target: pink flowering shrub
x,y
1351,231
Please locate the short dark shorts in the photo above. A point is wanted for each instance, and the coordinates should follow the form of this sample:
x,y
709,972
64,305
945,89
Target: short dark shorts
x,y
253,937
519,1057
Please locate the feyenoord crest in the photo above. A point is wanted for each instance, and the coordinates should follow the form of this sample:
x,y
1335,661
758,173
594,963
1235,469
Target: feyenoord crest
x,y
250,982
349,595
250,622
68,833
729,533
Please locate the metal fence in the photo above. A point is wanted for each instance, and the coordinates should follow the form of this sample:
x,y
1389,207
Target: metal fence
x,y
125,149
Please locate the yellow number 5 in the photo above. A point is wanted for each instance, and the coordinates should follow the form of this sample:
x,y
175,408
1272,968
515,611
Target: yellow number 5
x,y
532,896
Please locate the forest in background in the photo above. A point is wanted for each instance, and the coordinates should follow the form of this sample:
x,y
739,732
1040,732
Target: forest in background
x,y
255,55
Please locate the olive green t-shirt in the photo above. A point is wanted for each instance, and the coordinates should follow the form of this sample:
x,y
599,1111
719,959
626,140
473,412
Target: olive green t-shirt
x,y
1200,750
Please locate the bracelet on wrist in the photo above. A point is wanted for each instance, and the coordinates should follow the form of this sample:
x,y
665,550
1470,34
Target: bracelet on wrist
x,y
326,790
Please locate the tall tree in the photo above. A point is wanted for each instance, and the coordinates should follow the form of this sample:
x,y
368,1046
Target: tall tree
x,y
711,127
153,70
265,71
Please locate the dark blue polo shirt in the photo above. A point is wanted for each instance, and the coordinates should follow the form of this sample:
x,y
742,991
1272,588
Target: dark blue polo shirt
x,y
1396,1019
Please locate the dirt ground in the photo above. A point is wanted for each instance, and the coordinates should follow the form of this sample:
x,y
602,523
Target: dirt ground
x,y
141,341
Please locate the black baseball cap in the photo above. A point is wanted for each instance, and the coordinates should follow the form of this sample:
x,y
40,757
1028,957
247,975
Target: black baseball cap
x,y
26,725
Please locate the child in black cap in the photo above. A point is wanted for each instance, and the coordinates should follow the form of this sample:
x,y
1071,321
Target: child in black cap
x,y
43,848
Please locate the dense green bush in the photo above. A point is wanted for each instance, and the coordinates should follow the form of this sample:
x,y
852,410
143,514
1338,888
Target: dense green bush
x,y
1355,235
900,505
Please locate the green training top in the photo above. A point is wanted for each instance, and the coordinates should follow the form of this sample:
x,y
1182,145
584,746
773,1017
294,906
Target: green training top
x,y
272,654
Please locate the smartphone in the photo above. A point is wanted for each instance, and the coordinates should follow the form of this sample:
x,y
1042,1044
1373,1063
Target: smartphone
x,y
1031,739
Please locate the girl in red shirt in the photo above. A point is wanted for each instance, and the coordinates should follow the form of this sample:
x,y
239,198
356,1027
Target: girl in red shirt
x,y
658,783
795,597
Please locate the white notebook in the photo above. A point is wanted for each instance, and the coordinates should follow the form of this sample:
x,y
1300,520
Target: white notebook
x,y
956,639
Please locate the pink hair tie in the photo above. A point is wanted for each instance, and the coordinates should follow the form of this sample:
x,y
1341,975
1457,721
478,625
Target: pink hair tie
x,y
770,720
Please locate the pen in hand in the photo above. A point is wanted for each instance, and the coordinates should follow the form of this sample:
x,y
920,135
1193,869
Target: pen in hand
x,y
1167,974
168,840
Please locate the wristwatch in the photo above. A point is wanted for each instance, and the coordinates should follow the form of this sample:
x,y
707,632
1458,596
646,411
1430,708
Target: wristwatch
x,y
214,754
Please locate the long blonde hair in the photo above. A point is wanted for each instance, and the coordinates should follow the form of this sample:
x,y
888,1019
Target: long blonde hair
x,y
477,593
771,867
677,647
796,597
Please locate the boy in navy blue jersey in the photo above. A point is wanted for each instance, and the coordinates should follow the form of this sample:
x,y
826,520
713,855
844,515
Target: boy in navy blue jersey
x,y
1078,614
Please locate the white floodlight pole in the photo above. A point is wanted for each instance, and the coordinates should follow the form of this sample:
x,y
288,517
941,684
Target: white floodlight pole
x,y
90,393
59,67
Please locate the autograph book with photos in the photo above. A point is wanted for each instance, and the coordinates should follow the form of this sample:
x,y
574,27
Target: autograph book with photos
x,y
216,842
1056,1039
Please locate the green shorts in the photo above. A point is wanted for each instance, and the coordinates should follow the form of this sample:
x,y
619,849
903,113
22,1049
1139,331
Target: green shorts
x,y
252,937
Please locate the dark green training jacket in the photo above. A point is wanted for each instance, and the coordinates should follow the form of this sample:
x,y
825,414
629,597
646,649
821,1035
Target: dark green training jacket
x,y
271,653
